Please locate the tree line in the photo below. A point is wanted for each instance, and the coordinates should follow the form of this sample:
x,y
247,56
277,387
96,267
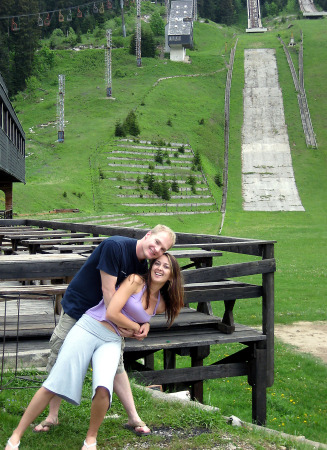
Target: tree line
x,y
20,34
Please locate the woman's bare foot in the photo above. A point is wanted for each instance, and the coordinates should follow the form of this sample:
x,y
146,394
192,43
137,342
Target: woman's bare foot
x,y
90,443
13,442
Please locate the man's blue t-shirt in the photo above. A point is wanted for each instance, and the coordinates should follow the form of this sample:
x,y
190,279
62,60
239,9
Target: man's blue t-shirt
x,y
115,256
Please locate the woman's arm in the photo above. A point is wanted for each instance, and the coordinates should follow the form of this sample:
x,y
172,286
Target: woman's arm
x,y
130,286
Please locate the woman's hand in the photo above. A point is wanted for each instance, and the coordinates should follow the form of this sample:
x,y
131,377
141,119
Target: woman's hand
x,y
143,331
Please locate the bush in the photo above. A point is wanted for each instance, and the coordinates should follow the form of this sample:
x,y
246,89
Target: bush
x,y
131,125
157,24
174,185
159,156
218,180
119,73
119,129
197,161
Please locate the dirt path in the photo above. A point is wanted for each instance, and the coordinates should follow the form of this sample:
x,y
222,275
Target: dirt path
x,y
307,337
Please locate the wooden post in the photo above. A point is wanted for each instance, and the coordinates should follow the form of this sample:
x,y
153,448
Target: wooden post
x,y
169,363
258,381
268,313
197,356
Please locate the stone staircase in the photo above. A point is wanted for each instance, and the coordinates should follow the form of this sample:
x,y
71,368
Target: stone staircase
x,y
120,172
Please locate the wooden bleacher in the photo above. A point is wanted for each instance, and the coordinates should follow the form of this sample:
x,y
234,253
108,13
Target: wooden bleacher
x,y
197,328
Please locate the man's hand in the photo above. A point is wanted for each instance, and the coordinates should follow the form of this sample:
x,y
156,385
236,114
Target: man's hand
x,y
124,332
144,330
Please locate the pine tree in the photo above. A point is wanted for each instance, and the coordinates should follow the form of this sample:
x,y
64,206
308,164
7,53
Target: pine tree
x,y
23,44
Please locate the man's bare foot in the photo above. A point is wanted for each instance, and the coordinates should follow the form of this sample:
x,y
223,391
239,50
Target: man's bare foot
x,y
46,425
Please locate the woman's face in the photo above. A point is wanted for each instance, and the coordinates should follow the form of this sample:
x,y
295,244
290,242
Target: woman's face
x,y
160,271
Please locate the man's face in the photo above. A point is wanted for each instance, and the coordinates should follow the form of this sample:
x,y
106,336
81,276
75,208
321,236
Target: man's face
x,y
154,245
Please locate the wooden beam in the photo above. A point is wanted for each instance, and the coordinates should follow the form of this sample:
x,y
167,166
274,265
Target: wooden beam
x,y
191,374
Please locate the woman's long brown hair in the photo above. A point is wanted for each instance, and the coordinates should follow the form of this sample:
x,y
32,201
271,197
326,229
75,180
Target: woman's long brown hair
x,y
172,291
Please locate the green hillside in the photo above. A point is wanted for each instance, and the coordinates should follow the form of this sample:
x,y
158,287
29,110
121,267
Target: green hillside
x,y
187,107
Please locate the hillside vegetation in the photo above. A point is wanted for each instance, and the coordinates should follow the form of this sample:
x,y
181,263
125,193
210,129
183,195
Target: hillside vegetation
x,y
189,110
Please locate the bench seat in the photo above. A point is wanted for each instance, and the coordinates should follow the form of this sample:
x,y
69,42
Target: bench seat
x,y
191,329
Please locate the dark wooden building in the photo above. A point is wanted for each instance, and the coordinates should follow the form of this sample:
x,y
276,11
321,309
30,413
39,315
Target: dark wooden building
x,y
12,150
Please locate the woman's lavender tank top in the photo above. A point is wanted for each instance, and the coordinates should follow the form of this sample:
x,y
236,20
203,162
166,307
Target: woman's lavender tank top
x,y
133,310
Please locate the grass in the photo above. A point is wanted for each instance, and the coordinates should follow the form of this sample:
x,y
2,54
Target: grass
x,y
190,427
297,400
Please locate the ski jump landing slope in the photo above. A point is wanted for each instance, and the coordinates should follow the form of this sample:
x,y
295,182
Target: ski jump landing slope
x,y
268,182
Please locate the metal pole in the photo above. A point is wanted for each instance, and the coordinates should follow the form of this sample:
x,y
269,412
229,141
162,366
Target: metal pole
x,y
138,33
108,64
122,17
61,108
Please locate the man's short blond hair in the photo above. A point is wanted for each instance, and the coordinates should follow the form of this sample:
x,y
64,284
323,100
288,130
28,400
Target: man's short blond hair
x,y
163,228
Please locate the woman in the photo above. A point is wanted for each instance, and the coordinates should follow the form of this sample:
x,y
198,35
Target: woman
x,y
95,337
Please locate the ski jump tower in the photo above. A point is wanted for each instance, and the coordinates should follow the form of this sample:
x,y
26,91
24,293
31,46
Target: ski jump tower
x,y
254,17
61,108
138,33
108,64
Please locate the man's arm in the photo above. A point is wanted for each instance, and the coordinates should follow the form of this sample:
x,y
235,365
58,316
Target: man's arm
x,y
108,285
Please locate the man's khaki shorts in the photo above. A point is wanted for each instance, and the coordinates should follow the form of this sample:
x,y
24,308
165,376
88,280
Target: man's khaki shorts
x,y
58,336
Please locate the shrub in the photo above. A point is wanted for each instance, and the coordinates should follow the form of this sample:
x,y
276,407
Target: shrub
x,y
131,125
197,161
174,185
191,180
157,24
159,156
119,73
149,180
119,129
218,180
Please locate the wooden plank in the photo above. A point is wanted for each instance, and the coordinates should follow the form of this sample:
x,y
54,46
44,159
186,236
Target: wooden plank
x,y
32,289
69,240
220,294
191,374
218,273
67,248
38,267
194,253
40,234
187,317
191,338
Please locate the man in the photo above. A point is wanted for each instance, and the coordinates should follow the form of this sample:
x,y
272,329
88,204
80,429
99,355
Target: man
x,y
110,263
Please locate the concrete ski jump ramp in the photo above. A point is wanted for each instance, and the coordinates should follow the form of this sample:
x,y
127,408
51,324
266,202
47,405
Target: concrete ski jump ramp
x,y
268,182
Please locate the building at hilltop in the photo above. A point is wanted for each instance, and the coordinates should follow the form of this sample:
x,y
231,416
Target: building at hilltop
x,y
180,29
12,150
